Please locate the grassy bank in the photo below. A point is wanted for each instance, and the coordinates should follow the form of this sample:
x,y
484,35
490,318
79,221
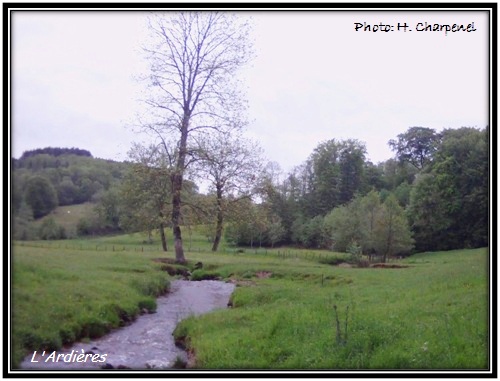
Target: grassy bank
x,y
430,315
62,295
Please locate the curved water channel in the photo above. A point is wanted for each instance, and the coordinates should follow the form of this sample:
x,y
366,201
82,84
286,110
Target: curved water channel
x,y
147,343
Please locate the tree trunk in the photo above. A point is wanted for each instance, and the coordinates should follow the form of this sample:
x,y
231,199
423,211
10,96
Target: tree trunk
x,y
176,218
220,221
218,232
163,237
177,179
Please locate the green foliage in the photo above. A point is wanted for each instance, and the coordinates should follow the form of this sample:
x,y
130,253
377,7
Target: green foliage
x,y
336,172
310,233
23,228
252,225
40,195
366,225
392,234
449,204
345,225
49,230
108,210
74,174
416,146
67,192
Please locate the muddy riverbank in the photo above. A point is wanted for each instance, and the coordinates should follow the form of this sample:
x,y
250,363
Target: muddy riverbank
x,y
147,343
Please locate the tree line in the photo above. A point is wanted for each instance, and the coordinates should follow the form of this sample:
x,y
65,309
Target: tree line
x,y
435,188
432,195
56,151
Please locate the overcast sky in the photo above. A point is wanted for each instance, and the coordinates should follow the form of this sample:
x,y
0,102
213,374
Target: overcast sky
x,y
314,78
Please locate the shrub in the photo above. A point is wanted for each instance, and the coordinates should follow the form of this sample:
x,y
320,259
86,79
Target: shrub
x,y
50,230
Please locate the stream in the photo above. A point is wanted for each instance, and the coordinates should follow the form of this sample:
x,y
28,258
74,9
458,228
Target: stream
x,y
148,342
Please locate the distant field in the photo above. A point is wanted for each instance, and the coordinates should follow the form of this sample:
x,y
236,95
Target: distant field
x,y
69,215
430,315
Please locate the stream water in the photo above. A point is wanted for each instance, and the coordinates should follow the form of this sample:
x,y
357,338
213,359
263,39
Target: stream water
x,y
147,343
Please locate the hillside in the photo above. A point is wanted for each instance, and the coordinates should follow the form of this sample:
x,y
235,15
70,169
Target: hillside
x,y
53,181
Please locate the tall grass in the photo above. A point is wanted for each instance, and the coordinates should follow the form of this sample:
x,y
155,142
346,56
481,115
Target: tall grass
x,y
431,315
61,295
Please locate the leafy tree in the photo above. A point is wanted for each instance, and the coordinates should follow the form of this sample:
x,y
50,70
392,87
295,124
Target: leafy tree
x,y
371,207
449,205
428,219
275,231
245,224
345,224
40,195
283,200
335,175
108,210
232,165
67,192
392,232
193,58
416,146
402,193
146,191
351,163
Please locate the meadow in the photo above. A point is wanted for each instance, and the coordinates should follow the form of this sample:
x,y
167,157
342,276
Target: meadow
x,y
291,309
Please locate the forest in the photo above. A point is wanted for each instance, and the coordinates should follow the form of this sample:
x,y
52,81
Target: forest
x,y
432,195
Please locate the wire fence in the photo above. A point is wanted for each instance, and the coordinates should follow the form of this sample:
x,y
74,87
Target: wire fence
x,y
279,253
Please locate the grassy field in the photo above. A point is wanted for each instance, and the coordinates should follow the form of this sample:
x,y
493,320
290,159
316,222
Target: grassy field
x,y
62,295
430,315
68,216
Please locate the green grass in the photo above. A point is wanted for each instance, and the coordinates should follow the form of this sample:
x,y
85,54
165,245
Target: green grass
x,y
68,216
61,295
430,315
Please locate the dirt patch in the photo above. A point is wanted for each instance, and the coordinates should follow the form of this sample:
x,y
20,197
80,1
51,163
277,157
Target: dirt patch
x,y
345,265
263,274
388,266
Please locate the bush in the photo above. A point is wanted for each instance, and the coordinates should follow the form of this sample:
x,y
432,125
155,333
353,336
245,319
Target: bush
x,y
50,230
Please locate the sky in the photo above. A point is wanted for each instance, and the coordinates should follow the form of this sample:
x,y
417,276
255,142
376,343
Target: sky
x,y
314,78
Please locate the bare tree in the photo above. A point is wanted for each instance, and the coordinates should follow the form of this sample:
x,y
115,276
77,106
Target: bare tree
x,y
193,90
233,165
